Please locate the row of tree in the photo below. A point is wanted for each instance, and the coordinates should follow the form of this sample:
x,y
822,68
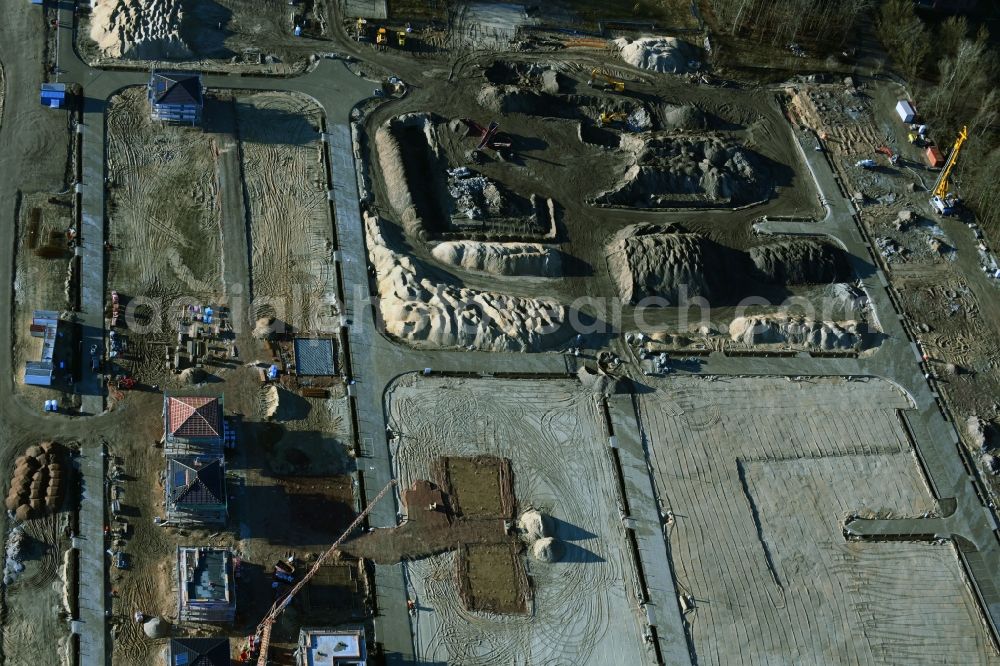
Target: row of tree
x,y
780,23
954,76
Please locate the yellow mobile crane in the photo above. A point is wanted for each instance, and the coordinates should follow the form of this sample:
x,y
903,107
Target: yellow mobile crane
x,y
609,81
943,202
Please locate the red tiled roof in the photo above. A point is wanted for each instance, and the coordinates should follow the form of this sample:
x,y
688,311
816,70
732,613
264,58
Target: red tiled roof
x,y
194,416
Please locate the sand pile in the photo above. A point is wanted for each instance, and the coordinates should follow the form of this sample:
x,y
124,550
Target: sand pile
x,y
438,316
800,262
663,261
659,54
684,116
547,549
686,171
534,525
38,484
139,29
509,99
500,258
156,627
796,332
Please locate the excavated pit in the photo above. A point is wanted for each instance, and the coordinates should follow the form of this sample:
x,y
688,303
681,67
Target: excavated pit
x,y
434,198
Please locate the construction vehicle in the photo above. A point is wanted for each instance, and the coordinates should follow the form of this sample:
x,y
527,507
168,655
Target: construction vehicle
x,y
488,136
887,151
401,39
381,39
261,639
608,117
944,202
359,30
609,82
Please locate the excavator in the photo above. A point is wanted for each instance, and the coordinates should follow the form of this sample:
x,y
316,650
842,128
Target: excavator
x,y
360,29
609,82
260,641
381,39
944,202
608,117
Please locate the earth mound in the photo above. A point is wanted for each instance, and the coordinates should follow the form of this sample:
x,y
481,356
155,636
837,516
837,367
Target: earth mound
x,y
796,332
139,29
686,171
658,54
649,260
800,262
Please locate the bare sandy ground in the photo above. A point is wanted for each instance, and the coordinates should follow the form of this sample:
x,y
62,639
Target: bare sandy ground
x,y
760,474
583,612
290,227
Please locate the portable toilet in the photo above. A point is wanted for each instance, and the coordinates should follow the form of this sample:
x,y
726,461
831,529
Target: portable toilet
x,y
934,156
905,111
53,95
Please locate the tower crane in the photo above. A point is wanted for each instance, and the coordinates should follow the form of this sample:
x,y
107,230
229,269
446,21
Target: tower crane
x,y
943,201
262,635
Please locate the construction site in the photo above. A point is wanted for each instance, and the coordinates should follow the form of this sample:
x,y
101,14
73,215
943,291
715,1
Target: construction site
x,y
345,331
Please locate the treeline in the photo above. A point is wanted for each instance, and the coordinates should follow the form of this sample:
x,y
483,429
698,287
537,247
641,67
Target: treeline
x,y
954,77
779,23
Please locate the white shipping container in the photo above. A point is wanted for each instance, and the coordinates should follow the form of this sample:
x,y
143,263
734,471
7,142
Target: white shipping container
x,y
905,111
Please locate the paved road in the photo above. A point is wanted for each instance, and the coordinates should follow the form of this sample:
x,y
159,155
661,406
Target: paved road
x,y
29,130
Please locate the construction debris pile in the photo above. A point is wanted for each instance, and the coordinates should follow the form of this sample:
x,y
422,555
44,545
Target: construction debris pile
x,y
791,331
14,561
500,258
473,195
38,485
659,54
681,171
438,316
139,29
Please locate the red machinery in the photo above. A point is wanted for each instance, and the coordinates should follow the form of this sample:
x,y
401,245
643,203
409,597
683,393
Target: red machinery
x,y
488,136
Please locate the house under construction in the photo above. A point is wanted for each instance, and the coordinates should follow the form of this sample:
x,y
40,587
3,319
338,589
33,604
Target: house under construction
x,y
329,647
193,425
206,585
195,490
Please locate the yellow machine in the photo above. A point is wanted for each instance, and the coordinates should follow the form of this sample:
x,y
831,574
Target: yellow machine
x,y
611,117
359,32
401,39
609,81
381,39
943,202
